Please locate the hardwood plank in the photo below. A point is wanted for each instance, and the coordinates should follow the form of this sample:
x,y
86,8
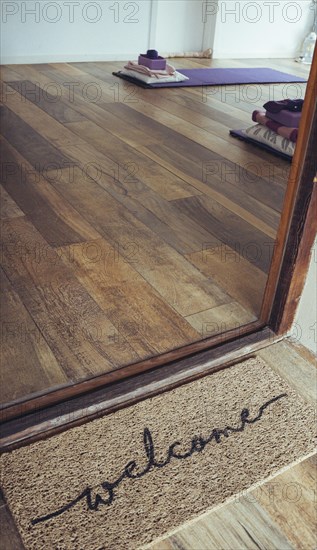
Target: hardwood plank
x,y
116,90
37,121
190,109
33,146
201,140
198,162
56,220
157,130
33,74
228,175
99,138
302,351
24,350
230,230
131,135
209,112
119,173
166,212
72,102
113,147
8,208
242,191
191,122
10,538
180,284
161,216
135,309
55,135
132,167
7,72
165,100
101,74
230,269
59,134
290,500
169,185
237,525
51,104
287,64
236,98
61,72
192,234
215,188
298,372
220,319
283,507
279,514
207,120
81,337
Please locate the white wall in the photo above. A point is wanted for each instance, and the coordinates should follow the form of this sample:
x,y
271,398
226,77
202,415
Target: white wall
x,y
38,31
83,30
261,28
305,326
179,26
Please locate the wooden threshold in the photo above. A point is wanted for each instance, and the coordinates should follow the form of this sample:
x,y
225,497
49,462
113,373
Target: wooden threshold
x,y
59,394
56,418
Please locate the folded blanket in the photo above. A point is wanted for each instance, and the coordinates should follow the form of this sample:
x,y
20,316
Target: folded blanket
x,y
284,131
285,118
263,134
175,77
159,74
294,105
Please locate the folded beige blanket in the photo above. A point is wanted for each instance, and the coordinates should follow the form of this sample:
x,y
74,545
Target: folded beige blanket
x,y
134,66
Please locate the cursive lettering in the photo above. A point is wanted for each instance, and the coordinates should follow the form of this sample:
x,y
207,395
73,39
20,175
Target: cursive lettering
x,y
198,444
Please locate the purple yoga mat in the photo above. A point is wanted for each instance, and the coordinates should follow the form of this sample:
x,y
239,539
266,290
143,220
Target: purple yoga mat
x,y
222,77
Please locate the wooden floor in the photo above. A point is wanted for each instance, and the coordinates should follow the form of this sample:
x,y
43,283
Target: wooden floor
x,y
133,224
280,515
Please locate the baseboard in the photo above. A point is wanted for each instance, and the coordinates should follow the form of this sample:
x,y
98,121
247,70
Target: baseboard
x,y
255,54
78,58
65,58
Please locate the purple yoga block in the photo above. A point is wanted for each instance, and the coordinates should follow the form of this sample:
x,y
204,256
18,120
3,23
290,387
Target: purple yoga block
x,y
155,64
286,118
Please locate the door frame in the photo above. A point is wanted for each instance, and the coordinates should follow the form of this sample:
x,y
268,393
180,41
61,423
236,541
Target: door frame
x,y
285,283
298,224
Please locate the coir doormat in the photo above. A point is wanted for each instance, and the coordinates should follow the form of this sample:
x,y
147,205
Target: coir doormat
x,y
123,480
